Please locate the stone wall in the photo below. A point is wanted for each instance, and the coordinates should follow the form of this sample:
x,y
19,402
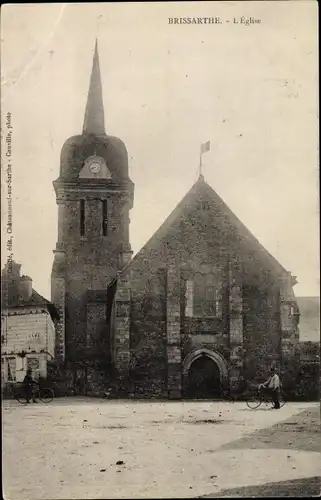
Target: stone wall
x,y
261,324
148,365
90,260
236,326
86,378
58,293
307,387
290,355
173,332
121,344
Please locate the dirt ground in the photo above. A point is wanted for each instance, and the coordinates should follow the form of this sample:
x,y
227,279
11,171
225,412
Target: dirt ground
x,y
306,488
300,432
92,448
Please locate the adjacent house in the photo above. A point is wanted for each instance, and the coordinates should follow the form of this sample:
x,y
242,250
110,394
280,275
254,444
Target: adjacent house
x,y
27,327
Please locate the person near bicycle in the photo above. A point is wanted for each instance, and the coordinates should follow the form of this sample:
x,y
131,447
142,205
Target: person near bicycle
x,y
272,388
28,385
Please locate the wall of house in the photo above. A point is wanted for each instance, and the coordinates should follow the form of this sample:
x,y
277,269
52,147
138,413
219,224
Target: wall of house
x,y
25,334
29,330
14,367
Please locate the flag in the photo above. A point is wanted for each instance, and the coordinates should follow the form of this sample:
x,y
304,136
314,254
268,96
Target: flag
x,y
111,291
206,146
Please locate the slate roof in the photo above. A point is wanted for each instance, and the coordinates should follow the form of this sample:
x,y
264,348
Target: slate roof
x,y
12,299
36,300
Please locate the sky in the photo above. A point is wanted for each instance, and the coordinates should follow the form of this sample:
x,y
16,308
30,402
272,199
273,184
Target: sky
x,y
250,90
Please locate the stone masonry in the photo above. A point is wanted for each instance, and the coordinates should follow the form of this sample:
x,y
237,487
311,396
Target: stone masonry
x,y
173,326
121,342
236,326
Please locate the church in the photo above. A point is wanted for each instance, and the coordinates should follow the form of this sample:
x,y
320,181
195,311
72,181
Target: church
x,y
198,312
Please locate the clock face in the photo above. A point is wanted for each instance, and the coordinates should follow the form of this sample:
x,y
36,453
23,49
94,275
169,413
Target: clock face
x,y
95,167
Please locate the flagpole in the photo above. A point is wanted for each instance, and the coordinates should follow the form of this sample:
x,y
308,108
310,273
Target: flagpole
x,y
200,165
205,147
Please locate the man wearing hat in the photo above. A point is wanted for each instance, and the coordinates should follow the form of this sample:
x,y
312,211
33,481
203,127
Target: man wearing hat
x,y
272,387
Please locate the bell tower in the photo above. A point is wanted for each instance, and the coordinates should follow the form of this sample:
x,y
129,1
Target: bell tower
x,y
94,195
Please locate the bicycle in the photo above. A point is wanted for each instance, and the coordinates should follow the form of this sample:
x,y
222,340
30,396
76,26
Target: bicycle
x,y
261,397
45,395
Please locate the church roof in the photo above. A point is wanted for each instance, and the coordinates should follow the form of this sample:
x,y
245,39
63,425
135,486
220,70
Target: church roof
x,y
94,122
202,190
94,140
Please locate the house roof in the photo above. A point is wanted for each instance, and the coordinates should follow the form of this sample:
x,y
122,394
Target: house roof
x,y
202,190
309,325
36,300
10,296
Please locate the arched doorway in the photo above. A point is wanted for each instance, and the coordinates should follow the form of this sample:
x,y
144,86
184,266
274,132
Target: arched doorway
x,y
205,375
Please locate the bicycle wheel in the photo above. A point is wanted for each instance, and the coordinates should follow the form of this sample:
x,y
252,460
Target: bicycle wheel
x,y
253,402
46,395
21,398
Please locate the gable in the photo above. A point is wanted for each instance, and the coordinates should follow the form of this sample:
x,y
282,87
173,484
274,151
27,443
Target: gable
x,y
202,197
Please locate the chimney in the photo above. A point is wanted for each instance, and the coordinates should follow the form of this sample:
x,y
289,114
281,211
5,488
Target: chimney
x,y
25,288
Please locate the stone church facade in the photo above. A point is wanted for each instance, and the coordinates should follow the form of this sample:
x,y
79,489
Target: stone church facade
x,y
200,310
203,307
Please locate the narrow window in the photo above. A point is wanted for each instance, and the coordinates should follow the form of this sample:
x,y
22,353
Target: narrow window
x,y
210,301
82,217
205,301
218,306
198,299
189,299
104,217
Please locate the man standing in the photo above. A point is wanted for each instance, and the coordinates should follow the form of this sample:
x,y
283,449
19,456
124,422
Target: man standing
x,y
28,384
272,387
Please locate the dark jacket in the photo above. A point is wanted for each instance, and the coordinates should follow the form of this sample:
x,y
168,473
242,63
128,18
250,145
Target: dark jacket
x,y
28,381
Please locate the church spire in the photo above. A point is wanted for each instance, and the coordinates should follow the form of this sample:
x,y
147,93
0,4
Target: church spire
x,y
94,122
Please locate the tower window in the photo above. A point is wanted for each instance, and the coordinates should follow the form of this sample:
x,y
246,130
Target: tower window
x,y
82,217
104,217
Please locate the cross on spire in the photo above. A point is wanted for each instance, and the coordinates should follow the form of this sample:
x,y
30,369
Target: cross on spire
x,y
94,121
